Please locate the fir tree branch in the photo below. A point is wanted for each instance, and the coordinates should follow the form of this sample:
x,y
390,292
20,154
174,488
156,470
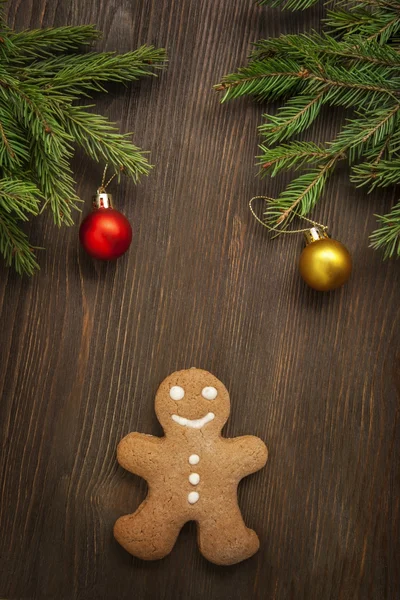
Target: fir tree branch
x,y
14,243
316,47
289,156
54,176
381,174
369,128
13,148
381,147
290,4
50,151
367,79
2,10
263,79
19,197
379,25
357,50
355,64
39,43
387,237
294,117
301,194
101,140
304,4
349,22
78,74
15,246
7,154
380,3
305,191
30,109
387,30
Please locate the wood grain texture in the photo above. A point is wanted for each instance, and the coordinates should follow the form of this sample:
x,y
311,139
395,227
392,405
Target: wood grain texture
x,y
84,345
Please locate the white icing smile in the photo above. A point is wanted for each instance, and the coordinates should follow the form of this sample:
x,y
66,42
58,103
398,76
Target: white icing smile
x,y
194,423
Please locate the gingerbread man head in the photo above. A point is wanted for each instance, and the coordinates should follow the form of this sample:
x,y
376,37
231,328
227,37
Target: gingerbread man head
x,y
191,400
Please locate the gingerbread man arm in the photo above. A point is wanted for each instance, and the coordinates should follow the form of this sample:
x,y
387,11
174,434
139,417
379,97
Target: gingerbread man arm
x,y
140,453
250,452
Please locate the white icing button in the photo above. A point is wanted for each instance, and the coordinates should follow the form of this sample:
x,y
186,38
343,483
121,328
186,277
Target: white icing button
x,y
193,497
176,392
209,393
194,459
194,478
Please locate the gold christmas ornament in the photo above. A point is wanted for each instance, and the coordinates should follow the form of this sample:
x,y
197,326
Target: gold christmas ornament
x,y
325,264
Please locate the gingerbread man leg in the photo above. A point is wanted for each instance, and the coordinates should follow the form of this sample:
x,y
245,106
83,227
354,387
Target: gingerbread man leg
x,y
149,533
224,538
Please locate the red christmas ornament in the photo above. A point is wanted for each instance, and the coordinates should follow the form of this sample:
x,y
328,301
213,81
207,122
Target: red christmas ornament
x,y
105,233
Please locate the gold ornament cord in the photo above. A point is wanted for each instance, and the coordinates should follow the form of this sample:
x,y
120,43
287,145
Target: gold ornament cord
x,y
102,188
277,228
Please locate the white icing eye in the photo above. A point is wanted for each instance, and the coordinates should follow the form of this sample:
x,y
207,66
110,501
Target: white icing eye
x,y
209,393
176,392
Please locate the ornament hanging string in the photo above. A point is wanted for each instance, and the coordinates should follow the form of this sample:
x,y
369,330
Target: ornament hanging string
x,y
102,188
276,228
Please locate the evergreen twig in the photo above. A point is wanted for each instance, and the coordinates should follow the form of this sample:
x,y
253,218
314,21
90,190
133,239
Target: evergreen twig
x,y
354,63
42,76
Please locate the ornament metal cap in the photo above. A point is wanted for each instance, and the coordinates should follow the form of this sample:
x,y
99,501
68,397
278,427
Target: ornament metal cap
x,y
314,234
102,200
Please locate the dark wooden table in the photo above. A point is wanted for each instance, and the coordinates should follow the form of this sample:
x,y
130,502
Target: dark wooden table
x,y
84,346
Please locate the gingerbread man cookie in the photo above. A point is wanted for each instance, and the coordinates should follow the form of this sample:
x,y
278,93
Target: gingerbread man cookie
x,y
192,474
